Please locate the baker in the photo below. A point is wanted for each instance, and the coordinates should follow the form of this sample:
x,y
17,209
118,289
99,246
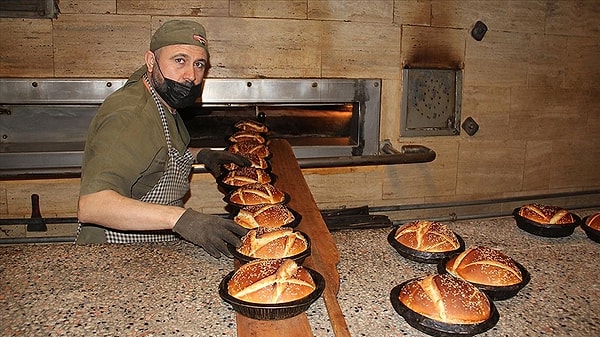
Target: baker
x,y
137,163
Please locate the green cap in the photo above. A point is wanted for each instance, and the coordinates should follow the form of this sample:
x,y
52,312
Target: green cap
x,y
179,32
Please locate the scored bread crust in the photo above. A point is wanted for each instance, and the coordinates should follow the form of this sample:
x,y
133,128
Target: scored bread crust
x,y
255,161
487,266
593,221
447,299
250,125
246,175
264,215
249,147
244,136
272,243
427,236
255,194
271,281
546,214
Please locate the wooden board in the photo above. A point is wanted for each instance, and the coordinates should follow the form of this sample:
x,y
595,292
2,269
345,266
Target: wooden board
x,y
324,254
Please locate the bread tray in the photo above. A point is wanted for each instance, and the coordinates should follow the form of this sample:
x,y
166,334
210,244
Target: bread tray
x,y
298,258
591,233
276,311
286,200
494,293
293,224
421,256
545,230
437,328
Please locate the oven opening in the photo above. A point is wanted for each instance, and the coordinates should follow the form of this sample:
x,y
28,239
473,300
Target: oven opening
x,y
334,124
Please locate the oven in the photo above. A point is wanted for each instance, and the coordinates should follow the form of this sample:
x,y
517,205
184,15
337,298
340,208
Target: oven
x,y
328,122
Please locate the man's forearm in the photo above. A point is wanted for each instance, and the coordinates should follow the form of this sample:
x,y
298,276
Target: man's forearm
x,y
112,210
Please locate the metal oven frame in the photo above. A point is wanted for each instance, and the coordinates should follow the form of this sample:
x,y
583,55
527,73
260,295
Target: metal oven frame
x,y
43,121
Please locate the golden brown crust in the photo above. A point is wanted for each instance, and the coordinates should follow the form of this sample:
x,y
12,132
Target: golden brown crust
x,y
427,236
255,161
246,175
546,214
250,125
487,266
255,194
593,221
249,147
264,215
245,136
447,299
272,243
271,281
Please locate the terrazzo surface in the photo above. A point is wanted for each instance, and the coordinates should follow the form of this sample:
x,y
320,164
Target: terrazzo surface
x,y
171,289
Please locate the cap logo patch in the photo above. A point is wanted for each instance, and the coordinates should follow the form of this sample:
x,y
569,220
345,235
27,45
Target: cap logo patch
x,y
200,39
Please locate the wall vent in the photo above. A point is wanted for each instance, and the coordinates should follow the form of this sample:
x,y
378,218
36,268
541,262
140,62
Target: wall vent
x,y
431,102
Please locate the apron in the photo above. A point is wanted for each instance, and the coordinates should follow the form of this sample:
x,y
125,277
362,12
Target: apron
x,y
169,190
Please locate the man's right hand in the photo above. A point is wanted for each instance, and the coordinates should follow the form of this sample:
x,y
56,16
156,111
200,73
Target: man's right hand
x,y
211,232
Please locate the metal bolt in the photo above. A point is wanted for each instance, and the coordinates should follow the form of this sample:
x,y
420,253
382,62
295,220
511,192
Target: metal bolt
x,y
109,84
315,84
248,84
34,84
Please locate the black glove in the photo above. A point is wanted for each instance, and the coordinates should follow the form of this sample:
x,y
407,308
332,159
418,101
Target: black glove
x,y
211,232
213,160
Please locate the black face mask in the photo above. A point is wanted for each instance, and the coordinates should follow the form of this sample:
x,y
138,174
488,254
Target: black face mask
x,y
176,95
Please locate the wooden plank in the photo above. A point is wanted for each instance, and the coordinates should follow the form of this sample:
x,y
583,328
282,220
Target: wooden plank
x,y
324,254
297,326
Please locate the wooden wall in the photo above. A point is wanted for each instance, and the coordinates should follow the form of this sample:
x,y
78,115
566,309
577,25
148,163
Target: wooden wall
x,y
532,84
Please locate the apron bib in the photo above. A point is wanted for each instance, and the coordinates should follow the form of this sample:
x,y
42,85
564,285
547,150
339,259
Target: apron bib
x,y
169,190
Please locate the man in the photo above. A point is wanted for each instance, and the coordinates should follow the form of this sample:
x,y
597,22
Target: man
x,y
136,164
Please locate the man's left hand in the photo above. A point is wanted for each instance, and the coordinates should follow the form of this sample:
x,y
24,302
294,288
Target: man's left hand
x,y
213,160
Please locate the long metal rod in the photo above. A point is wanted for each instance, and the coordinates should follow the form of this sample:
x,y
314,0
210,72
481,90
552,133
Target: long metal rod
x,y
479,202
411,154
39,239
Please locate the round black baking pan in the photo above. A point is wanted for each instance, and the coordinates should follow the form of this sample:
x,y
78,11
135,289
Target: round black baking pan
x,y
437,328
545,230
421,256
274,311
298,258
494,293
591,233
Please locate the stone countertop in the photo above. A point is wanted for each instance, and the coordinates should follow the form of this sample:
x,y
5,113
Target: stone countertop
x,y
171,289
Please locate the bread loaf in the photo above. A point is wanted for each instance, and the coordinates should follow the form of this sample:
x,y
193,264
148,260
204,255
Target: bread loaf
x,y
255,161
245,136
254,194
246,175
250,125
264,215
249,147
272,243
487,266
271,281
446,299
593,221
427,236
545,214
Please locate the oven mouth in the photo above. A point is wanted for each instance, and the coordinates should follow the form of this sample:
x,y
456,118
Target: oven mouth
x,y
300,124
